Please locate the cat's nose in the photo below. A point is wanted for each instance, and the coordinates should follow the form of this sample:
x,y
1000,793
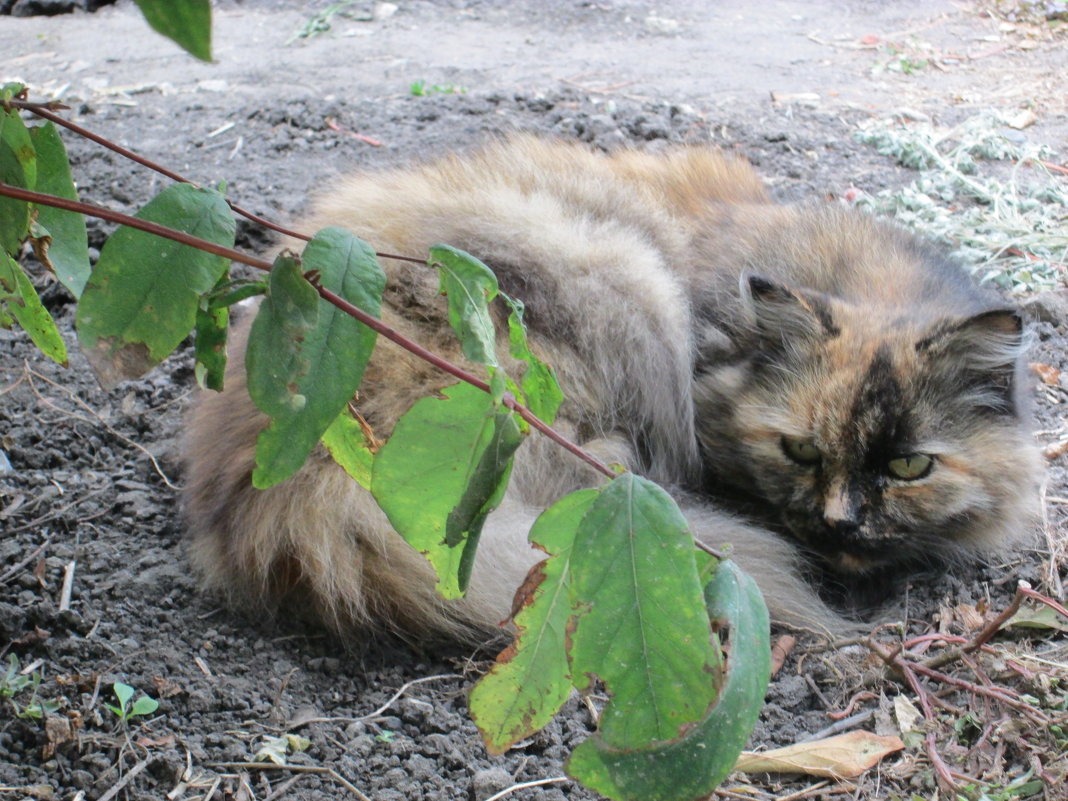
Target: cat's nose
x,y
843,511
843,528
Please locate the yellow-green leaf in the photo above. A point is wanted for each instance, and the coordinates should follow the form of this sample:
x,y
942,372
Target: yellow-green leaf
x,y
443,470
19,299
530,680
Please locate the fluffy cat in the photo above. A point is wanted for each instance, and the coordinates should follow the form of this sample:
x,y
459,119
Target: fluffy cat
x,y
806,379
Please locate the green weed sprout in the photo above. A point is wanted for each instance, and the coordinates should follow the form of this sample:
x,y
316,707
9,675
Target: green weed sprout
x,y
125,711
12,683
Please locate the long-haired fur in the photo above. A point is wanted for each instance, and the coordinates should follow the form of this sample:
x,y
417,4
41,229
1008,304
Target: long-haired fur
x,y
701,334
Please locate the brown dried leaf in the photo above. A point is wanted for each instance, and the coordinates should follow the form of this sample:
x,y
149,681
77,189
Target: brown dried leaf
x,y
971,619
1048,373
60,729
780,650
165,688
1055,450
843,756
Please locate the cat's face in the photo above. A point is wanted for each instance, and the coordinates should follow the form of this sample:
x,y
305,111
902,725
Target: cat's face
x,y
871,441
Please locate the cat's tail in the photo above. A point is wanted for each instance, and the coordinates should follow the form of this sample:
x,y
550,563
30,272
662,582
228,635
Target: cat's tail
x,y
318,544
776,566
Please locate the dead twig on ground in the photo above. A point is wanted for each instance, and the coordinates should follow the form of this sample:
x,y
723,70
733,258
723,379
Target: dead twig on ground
x,y
117,787
321,770
372,715
94,419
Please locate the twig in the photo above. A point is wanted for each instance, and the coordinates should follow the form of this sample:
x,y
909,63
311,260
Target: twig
x,y
863,695
52,516
97,421
12,571
380,710
42,110
524,785
1052,604
116,788
894,658
324,771
282,788
68,586
371,322
703,546
992,628
332,124
844,724
804,792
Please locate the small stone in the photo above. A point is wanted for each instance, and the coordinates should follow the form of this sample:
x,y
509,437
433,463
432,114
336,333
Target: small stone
x,y
664,26
1047,307
490,782
383,11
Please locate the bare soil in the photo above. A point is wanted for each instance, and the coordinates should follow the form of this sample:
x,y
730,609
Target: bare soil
x,y
88,478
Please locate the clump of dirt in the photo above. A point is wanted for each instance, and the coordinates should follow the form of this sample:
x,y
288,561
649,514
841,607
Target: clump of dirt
x,y
87,489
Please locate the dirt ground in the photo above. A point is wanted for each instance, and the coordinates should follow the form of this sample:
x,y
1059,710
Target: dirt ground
x,y
88,479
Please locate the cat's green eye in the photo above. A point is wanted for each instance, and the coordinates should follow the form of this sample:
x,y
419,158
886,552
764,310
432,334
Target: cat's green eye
x,y
911,467
801,451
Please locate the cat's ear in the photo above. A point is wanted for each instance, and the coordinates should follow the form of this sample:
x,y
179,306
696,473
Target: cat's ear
x,y
983,351
784,315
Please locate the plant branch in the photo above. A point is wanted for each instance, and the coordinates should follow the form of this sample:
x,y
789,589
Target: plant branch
x,y
133,222
371,322
42,110
893,658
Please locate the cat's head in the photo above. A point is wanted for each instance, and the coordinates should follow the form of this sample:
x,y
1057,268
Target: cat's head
x,y
872,435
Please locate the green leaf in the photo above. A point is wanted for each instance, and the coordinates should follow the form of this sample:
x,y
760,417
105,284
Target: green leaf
x,y
144,706
1038,617
347,444
530,680
273,361
692,765
336,350
142,297
443,470
641,624
124,692
227,293
470,286
67,249
19,299
212,325
186,22
541,391
18,167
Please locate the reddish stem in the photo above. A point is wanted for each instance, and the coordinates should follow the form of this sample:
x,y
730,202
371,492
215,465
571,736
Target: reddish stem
x,y
371,322
42,110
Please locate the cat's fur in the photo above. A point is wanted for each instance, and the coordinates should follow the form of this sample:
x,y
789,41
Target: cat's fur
x,y
700,333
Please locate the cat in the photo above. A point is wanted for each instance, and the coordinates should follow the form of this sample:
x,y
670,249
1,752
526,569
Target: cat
x,y
810,383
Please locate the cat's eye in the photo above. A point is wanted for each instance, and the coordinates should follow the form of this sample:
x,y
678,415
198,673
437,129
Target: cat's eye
x,y
801,450
911,467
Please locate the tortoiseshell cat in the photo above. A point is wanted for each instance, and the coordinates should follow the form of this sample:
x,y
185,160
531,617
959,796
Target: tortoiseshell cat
x,y
800,371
